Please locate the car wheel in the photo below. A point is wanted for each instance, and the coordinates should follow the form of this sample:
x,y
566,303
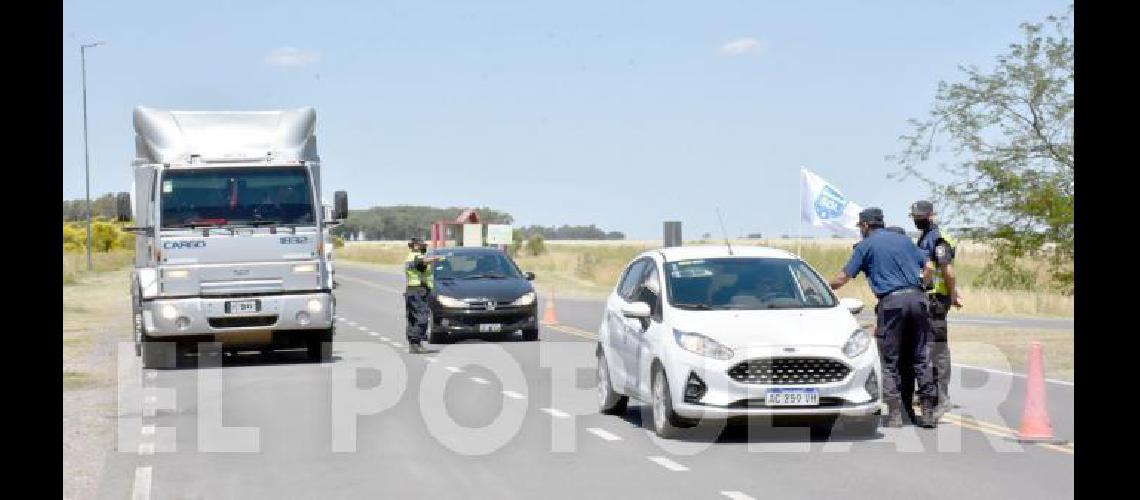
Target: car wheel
x,y
320,346
530,334
609,402
666,423
435,336
158,353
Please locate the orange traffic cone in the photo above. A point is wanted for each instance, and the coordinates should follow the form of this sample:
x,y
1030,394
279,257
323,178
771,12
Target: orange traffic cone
x,y
1035,424
548,316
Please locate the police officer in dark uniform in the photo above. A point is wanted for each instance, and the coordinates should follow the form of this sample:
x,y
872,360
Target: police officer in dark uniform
x,y
890,261
939,248
418,272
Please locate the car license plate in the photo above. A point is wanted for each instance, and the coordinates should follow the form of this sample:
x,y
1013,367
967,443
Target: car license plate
x,y
242,306
792,397
490,327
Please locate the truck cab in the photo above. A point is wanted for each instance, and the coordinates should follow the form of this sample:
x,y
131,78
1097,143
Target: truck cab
x,y
231,233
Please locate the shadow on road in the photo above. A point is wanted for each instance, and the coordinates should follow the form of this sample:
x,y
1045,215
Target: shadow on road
x,y
755,430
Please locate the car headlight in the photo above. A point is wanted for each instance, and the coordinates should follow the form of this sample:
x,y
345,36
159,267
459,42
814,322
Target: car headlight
x,y
526,300
700,344
857,343
446,301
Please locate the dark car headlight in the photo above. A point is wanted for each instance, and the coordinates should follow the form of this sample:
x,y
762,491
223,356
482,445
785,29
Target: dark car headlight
x,y
446,301
526,299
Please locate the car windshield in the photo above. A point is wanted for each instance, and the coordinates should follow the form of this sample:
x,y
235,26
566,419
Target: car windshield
x,y
474,265
745,283
236,196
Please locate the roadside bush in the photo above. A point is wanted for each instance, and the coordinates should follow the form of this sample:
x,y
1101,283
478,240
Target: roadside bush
x,y
337,241
535,246
105,237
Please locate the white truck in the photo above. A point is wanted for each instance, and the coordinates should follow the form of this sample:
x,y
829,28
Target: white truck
x,y
231,233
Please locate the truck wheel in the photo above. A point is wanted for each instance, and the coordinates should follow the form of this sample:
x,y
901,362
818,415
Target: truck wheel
x,y
158,353
320,346
530,334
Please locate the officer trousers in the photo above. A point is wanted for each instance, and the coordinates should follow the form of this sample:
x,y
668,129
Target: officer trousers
x,y
903,323
939,353
418,313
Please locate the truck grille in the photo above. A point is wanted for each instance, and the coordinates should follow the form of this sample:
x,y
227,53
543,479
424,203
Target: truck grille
x,y
242,321
789,371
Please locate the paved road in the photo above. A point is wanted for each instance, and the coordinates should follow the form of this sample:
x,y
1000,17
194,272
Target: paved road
x,y
440,438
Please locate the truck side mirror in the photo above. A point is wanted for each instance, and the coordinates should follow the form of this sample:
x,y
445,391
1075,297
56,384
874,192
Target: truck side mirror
x,y
123,207
340,205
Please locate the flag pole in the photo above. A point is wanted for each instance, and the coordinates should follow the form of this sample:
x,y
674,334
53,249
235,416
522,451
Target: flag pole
x,y
800,218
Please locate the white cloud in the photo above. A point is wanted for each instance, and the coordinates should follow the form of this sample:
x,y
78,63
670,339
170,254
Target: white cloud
x,y
289,56
743,46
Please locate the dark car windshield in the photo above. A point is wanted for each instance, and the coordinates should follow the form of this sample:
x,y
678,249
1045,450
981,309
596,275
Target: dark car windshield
x,y
474,265
746,283
236,196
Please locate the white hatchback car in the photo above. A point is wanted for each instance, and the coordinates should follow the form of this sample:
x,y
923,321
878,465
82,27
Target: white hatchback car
x,y
709,333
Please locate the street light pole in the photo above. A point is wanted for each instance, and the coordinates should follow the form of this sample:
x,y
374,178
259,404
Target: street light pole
x,y
86,156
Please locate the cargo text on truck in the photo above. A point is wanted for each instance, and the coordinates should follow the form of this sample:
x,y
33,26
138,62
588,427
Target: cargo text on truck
x,y
231,233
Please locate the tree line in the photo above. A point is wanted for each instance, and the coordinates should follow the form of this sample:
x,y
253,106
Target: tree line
x,y
568,232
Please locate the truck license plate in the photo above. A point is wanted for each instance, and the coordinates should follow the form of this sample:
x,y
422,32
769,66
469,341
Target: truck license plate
x,y
242,306
792,397
490,327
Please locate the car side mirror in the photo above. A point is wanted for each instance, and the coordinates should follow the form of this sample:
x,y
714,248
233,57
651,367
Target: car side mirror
x,y
340,205
853,305
529,276
123,207
638,310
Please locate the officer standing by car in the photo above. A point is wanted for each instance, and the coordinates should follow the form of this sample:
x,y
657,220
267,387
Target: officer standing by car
x,y
939,249
889,260
417,270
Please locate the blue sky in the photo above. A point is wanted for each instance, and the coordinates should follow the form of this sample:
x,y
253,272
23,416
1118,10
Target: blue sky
x,y
621,114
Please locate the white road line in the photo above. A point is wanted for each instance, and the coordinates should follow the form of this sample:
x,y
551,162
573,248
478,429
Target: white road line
x,y
603,434
146,449
736,495
452,369
1018,375
430,360
397,344
362,328
513,395
351,323
148,430
478,380
555,412
668,464
141,488
374,334
385,339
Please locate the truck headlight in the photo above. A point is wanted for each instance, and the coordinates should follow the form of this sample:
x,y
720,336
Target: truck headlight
x,y
304,268
446,301
314,306
700,344
176,273
169,312
526,300
857,343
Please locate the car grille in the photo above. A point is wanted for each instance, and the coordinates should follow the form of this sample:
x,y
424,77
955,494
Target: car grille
x,y
242,321
789,371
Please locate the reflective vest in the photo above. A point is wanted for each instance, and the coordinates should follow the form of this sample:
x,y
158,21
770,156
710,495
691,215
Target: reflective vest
x,y
940,287
414,276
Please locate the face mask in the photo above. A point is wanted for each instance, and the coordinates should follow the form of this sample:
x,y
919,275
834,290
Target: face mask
x,y
922,224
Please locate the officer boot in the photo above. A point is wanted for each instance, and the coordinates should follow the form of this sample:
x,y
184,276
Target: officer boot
x,y
929,419
415,348
894,413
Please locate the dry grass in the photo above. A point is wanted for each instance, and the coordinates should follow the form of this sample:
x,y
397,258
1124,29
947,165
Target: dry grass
x,y
592,269
1007,348
75,264
97,303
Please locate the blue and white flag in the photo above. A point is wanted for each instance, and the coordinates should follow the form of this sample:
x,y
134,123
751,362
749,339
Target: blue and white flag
x,y
823,205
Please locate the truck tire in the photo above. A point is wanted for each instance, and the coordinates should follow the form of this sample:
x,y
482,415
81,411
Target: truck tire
x,y
158,353
320,346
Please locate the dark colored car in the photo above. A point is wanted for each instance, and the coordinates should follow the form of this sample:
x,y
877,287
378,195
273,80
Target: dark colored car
x,y
480,291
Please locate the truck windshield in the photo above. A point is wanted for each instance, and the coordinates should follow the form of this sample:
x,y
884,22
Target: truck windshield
x,y
236,196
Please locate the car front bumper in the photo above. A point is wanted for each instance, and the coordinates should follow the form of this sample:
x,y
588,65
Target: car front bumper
x,y
468,321
725,397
